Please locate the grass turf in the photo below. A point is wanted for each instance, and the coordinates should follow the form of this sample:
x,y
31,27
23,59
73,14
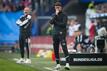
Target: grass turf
x,y
6,65
38,64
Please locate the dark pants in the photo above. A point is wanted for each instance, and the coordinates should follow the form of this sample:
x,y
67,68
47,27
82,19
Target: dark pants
x,y
57,39
101,45
23,42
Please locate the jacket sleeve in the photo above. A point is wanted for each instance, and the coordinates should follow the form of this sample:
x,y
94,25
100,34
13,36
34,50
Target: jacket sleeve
x,y
53,20
22,21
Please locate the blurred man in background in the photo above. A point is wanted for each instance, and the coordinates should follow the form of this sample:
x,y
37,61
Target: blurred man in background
x,y
24,38
59,23
91,11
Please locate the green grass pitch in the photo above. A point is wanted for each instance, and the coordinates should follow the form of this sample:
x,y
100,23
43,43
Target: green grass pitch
x,y
38,64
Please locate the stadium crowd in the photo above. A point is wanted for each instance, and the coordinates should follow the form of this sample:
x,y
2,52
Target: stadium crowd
x,y
13,5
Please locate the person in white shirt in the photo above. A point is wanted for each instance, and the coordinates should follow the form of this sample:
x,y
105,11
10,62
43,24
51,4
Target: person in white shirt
x,y
73,26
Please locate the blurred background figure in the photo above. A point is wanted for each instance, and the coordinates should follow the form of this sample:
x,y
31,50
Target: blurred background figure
x,y
82,43
92,31
91,11
72,27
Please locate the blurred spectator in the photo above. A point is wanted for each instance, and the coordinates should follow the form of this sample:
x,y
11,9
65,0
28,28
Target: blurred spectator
x,y
101,16
89,12
35,5
17,5
26,3
1,6
35,28
13,5
82,43
73,26
92,31
6,5
101,8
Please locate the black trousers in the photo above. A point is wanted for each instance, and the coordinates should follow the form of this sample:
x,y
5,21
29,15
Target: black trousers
x,y
57,39
23,42
101,45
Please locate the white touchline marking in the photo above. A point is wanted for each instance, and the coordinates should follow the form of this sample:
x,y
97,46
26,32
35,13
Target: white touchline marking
x,y
15,59
48,68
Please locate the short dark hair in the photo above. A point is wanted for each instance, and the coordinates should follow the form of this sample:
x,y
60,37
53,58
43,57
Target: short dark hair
x,y
58,4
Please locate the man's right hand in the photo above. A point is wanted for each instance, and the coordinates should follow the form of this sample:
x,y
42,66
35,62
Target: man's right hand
x,y
57,11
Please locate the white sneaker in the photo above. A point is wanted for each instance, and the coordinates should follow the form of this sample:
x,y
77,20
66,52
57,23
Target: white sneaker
x,y
28,61
73,50
58,66
21,60
67,66
79,52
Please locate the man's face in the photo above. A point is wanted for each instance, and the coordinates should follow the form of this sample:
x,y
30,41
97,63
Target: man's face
x,y
26,10
58,8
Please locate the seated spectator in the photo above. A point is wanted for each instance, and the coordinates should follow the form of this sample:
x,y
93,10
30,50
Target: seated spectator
x,y
82,42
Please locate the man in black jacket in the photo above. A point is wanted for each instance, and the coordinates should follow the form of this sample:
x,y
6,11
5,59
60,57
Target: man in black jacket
x,y
24,38
59,23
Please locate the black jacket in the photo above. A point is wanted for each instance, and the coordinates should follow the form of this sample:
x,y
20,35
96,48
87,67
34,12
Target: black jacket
x,y
59,22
